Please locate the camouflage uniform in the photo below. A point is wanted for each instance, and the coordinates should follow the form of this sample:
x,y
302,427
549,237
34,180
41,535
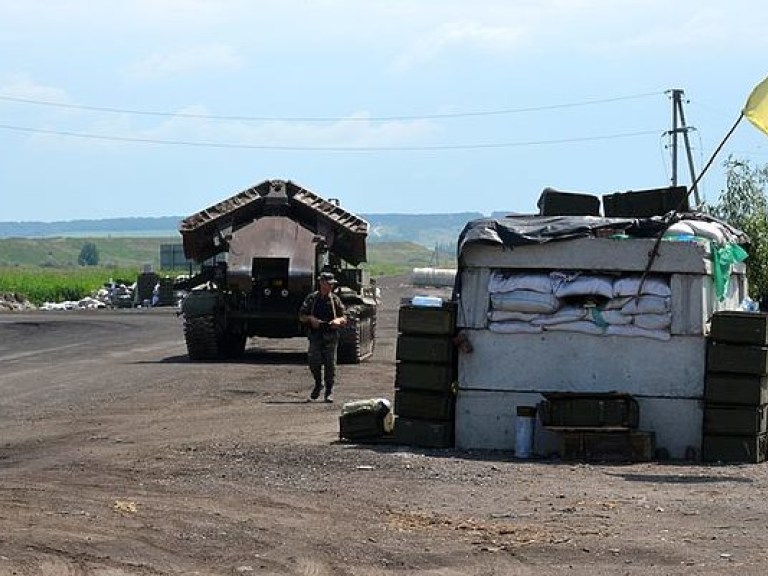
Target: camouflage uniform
x,y
323,340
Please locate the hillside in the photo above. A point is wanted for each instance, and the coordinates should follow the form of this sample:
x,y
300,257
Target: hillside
x,y
428,230
135,252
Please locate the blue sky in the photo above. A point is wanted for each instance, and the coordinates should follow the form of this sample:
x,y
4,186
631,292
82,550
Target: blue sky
x,y
162,108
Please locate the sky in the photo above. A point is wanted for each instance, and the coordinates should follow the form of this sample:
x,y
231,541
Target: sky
x,y
148,108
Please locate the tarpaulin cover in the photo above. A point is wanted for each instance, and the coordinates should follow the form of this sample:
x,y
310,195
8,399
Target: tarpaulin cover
x,y
516,230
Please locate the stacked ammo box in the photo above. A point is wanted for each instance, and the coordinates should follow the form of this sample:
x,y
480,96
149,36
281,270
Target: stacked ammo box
x,y
736,389
597,427
425,400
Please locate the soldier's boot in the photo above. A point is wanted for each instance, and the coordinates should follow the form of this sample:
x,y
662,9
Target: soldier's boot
x,y
318,376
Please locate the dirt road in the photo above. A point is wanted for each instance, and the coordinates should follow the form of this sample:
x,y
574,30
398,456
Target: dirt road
x,y
119,456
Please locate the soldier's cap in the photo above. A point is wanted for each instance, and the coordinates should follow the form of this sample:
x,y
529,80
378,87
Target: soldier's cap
x,y
328,277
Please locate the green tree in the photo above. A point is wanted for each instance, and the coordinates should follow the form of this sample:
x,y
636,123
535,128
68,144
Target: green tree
x,y
744,204
89,255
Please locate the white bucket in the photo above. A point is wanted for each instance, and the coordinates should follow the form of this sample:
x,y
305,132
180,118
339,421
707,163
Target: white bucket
x,y
524,425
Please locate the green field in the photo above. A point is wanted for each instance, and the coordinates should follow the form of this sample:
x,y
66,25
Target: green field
x,y
46,269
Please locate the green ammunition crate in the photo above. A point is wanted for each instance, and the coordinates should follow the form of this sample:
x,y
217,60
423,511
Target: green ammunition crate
x,y
623,446
727,388
737,327
365,421
424,433
588,410
737,358
434,349
427,377
750,449
427,320
424,405
728,420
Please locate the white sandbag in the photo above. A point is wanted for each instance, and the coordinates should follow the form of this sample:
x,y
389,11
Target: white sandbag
x,y
525,301
514,327
611,317
581,326
616,303
504,316
653,321
646,305
653,285
584,286
636,331
501,282
710,230
679,229
564,314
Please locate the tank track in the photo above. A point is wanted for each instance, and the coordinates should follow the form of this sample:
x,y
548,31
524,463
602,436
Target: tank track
x,y
200,336
356,340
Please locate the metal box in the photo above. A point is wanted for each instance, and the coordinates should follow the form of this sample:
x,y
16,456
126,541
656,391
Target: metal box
x,y
426,377
740,327
427,320
645,203
434,349
424,433
556,203
751,449
727,420
590,410
744,389
737,358
621,446
424,405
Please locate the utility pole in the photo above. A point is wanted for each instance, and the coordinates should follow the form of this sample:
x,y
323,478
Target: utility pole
x,y
679,127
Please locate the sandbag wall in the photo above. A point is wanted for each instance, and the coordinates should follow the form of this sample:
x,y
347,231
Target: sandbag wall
x,y
736,389
425,400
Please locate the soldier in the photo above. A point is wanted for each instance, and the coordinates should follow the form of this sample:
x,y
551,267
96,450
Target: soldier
x,y
323,312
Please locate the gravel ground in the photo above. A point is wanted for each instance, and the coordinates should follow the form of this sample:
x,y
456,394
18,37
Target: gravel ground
x,y
119,456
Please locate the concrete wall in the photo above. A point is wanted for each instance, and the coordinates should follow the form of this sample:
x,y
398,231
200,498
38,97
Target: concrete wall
x,y
509,370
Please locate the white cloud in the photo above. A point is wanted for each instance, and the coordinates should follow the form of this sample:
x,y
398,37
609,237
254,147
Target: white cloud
x,y
462,35
194,59
22,86
353,131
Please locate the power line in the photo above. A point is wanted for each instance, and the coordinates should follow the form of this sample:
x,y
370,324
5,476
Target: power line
x,y
326,148
469,114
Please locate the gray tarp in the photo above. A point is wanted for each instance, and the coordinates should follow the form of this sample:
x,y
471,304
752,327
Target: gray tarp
x,y
514,231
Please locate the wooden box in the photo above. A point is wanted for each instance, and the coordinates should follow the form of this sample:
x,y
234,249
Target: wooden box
x,y
728,388
434,349
427,377
728,420
424,405
424,433
740,327
751,449
427,320
741,359
622,446
591,410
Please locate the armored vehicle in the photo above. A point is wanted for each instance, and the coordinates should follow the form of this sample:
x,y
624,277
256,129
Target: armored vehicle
x,y
261,252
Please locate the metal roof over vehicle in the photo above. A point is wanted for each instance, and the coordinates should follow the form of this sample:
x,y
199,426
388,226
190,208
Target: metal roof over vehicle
x,y
204,233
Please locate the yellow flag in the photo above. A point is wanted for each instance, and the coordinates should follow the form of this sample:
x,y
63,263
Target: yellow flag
x,y
756,108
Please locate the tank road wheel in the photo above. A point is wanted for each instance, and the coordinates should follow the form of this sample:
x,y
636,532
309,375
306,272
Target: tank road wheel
x,y
200,336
